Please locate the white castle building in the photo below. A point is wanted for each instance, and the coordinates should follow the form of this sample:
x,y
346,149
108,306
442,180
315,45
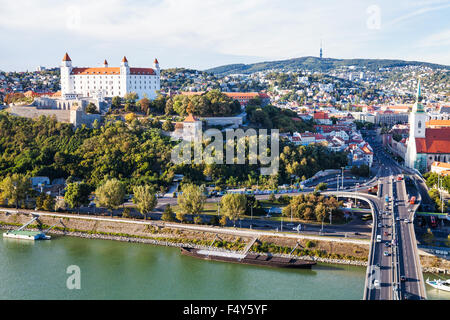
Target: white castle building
x,y
108,81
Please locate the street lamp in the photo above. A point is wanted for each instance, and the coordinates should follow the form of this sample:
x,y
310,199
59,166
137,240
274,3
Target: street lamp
x,y
342,177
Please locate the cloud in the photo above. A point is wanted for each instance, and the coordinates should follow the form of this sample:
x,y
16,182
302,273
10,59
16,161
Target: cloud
x,y
439,39
228,30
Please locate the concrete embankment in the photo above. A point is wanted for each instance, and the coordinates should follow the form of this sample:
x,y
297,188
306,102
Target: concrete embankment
x,y
152,232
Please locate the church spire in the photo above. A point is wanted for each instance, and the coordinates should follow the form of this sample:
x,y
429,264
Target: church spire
x,y
418,107
418,95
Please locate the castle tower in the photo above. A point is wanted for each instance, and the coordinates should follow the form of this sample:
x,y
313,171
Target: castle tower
x,y
124,75
156,65
158,72
66,69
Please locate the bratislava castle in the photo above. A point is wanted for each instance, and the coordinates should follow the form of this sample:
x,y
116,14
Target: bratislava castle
x,y
108,81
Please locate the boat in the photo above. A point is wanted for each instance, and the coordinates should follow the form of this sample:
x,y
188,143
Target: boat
x,y
26,235
439,284
251,258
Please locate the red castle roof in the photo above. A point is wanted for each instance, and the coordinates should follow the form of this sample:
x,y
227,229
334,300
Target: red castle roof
x,y
66,57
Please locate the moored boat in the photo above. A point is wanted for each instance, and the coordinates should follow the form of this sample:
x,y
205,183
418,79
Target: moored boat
x,y
251,258
439,284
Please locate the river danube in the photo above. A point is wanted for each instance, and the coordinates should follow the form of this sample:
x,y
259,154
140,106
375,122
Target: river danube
x,y
121,270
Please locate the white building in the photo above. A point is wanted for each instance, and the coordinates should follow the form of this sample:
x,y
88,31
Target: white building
x,y
108,81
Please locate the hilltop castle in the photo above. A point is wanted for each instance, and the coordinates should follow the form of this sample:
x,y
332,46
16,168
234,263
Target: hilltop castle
x,y
108,81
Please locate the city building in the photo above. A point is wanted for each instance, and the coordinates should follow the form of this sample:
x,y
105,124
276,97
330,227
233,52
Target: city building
x,y
425,145
108,81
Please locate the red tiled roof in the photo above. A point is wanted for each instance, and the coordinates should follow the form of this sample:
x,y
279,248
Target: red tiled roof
x,y
441,165
436,141
142,71
112,70
98,71
320,115
190,118
124,59
66,57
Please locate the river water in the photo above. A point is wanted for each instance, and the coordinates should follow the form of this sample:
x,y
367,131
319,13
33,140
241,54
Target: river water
x,y
121,270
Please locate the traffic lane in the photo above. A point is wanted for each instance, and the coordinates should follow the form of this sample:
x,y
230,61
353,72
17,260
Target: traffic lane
x,y
409,266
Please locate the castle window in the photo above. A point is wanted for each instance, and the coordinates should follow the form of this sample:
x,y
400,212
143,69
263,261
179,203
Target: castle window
x,y
419,125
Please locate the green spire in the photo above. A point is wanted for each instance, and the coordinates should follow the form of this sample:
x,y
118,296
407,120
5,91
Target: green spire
x,y
418,107
418,95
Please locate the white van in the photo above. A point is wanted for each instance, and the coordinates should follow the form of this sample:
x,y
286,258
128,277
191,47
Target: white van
x,y
379,238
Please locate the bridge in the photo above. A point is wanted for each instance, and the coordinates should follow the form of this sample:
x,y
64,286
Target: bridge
x,y
394,271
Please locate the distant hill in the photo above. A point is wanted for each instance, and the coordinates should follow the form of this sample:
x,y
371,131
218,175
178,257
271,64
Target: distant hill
x,y
317,64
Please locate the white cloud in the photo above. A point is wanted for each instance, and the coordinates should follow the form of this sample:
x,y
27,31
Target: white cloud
x,y
212,28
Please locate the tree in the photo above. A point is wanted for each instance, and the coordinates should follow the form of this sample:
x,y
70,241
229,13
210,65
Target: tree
x,y
168,214
15,188
77,194
233,205
321,187
116,102
91,108
144,103
168,126
180,216
223,221
145,199
192,199
49,203
110,195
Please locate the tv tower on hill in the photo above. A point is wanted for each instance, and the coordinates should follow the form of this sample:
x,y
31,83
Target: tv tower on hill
x,y
320,49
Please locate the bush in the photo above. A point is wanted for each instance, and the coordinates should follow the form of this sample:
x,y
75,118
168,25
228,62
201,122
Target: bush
x,y
310,244
198,220
168,214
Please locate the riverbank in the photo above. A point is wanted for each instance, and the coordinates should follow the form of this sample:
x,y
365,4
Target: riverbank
x,y
129,231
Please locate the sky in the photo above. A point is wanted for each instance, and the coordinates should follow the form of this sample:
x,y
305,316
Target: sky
x,y
201,34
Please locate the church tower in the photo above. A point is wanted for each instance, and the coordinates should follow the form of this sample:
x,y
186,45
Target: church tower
x,y
417,120
417,117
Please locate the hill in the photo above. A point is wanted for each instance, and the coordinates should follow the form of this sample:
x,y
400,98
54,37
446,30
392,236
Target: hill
x,y
317,64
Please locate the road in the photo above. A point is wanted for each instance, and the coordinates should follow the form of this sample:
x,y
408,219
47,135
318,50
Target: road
x,y
402,260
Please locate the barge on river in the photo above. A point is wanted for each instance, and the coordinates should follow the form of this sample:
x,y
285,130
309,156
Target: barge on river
x,y
251,258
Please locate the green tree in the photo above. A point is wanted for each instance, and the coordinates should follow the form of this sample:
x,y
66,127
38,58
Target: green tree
x,y
49,203
168,126
168,214
192,199
145,199
91,108
110,194
321,187
77,194
233,206
15,188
